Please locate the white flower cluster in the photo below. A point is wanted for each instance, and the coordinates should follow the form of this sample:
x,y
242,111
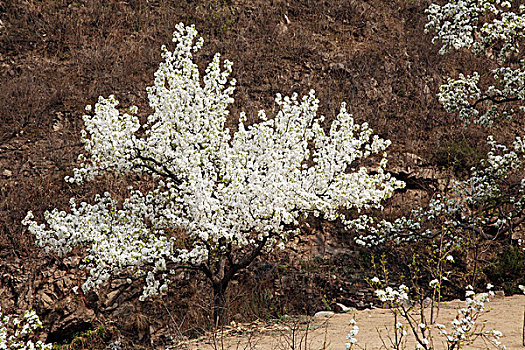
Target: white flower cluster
x,y
484,26
464,327
434,283
501,100
456,95
392,296
400,304
230,194
420,225
351,335
16,333
459,23
467,208
509,30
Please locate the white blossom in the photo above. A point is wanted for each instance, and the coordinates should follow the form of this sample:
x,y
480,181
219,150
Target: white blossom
x,y
19,336
220,196
463,330
351,335
486,27
392,296
465,209
464,326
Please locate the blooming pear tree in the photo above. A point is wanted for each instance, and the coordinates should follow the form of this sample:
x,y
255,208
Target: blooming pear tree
x,y
491,28
221,198
490,202
489,205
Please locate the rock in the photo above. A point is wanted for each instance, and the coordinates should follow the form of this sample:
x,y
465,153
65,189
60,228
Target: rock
x,y
499,294
125,311
344,308
47,301
281,29
111,297
337,66
481,296
117,283
67,318
322,314
60,284
7,173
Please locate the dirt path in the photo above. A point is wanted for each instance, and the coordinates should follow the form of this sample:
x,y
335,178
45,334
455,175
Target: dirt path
x,y
505,314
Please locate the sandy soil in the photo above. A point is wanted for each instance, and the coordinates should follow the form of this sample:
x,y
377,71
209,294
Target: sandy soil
x,y
504,314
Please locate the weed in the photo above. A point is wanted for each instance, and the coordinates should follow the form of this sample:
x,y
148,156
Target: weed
x,y
458,155
90,339
507,269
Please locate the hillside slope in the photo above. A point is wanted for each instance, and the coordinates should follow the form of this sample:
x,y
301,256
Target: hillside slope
x,y
58,56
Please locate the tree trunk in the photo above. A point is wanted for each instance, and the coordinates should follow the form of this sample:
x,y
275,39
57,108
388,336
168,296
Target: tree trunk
x,y
219,303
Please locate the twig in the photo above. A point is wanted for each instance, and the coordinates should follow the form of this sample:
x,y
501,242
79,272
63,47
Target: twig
x,y
523,326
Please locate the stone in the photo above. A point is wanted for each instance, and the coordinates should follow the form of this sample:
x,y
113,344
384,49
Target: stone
x,y
47,301
117,283
111,297
322,314
499,294
125,311
343,308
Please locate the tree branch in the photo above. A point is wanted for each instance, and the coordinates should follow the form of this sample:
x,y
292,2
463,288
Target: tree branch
x,y
494,99
168,173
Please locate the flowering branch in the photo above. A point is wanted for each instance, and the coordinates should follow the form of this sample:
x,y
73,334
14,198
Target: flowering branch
x,y
16,333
